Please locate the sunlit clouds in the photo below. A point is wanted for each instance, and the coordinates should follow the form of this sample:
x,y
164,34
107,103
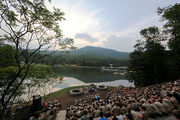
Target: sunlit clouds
x,y
97,23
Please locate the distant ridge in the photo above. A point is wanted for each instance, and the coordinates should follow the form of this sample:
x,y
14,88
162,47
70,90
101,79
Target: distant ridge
x,y
101,52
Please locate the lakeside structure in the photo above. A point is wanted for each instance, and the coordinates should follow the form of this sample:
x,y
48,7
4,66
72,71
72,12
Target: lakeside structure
x,y
116,70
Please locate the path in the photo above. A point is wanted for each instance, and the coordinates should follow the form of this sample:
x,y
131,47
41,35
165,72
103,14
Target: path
x,y
61,115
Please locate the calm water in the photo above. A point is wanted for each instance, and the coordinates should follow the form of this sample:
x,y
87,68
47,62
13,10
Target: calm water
x,y
74,76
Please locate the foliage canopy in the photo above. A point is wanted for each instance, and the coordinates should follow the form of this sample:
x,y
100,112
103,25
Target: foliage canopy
x,y
29,27
151,62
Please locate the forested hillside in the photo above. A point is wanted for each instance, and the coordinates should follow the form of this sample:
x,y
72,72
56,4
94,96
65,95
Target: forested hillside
x,y
88,56
98,51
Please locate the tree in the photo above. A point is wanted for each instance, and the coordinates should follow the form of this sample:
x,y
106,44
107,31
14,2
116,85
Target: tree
x,y
151,62
7,56
171,14
41,79
147,63
30,28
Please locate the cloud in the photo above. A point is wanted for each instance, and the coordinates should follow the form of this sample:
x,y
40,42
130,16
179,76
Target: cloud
x,y
133,30
89,26
123,40
84,39
85,36
78,18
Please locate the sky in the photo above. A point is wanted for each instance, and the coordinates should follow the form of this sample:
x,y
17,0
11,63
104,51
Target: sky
x,y
113,24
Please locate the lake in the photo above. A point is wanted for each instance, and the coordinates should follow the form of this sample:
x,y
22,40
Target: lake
x,y
74,76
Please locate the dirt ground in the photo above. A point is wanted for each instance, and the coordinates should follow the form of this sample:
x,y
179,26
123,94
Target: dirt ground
x,y
67,99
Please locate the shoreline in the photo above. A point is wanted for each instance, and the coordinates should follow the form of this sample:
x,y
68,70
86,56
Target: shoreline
x,y
78,66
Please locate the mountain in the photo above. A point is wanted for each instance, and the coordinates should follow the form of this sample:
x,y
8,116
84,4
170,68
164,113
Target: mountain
x,y
100,52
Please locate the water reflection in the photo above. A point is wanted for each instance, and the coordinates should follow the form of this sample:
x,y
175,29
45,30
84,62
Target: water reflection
x,y
74,76
88,75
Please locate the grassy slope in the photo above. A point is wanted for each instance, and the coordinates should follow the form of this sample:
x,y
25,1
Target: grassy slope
x,y
62,91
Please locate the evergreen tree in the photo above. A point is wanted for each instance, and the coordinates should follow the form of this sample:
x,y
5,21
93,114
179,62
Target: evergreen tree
x,y
171,14
147,63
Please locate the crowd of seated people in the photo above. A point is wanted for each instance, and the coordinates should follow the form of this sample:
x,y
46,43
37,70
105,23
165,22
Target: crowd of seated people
x,y
129,103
